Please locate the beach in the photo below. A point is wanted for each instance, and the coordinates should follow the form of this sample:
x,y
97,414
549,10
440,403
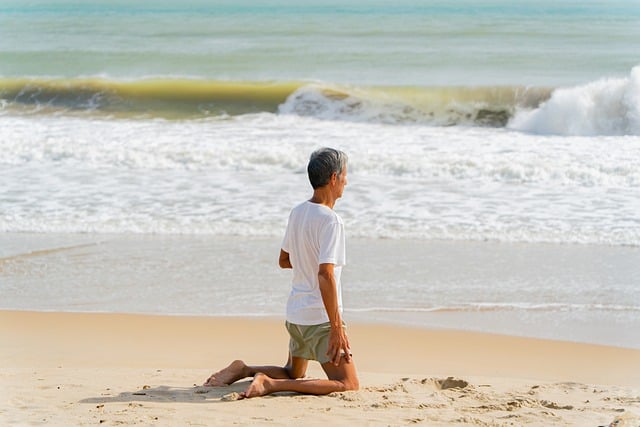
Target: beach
x,y
151,152
119,369
81,359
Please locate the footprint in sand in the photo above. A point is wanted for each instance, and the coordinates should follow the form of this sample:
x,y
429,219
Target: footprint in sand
x,y
446,383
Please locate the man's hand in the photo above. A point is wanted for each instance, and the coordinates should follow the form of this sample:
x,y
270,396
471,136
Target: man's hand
x,y
284,261
338,345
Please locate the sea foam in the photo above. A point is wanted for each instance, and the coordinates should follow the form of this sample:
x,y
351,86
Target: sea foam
x,y
602,107
240,176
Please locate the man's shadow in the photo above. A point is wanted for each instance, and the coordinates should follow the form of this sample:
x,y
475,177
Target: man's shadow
x,y
163,393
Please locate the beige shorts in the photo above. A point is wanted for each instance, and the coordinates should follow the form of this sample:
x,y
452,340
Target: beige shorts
x,y
310,342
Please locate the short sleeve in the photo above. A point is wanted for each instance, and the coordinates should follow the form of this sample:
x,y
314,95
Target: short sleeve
x,y
286,241
332,244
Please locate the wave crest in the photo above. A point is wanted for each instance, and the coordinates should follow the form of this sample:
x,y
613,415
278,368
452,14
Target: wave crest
x,y
185,99
604,107
165,98
444,106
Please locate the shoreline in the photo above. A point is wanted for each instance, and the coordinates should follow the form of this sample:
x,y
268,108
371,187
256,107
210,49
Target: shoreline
x,y
84,369
575,293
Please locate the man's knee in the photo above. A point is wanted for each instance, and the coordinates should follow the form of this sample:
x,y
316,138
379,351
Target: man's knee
x,y
351,384
295,372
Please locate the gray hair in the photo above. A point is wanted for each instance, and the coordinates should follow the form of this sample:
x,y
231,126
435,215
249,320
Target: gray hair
x,y
323,163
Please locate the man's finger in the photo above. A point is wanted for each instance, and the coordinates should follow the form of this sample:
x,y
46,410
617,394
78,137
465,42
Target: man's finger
x,y
336,360
330,351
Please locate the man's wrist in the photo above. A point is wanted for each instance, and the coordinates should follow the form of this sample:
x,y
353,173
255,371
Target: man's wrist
x,y
337,324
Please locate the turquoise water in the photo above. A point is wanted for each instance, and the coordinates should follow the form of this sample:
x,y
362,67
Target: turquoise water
x,y
424,43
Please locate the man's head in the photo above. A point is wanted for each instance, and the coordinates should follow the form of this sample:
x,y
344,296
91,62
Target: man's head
x,y
323,163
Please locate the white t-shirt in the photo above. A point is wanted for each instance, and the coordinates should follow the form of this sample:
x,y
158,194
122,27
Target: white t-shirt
x,y
314,236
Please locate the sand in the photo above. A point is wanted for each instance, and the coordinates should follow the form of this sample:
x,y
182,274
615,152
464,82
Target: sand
x,y
67,369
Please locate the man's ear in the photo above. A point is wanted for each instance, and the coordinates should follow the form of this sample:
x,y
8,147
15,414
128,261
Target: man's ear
x,y
334,178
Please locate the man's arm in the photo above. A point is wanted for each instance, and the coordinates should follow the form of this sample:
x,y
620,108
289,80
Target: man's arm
x,y
338,341
284,260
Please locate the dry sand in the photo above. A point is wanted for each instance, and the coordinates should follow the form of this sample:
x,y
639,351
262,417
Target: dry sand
x,y
66,369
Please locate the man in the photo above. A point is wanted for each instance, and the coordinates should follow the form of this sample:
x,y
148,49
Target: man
x,y
314,247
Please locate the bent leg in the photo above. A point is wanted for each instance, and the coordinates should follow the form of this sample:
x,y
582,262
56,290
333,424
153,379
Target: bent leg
x,y
232,373
345,374
296,367
340,378
237,370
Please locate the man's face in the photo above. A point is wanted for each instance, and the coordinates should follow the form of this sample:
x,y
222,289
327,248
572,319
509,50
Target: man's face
x,y
341,181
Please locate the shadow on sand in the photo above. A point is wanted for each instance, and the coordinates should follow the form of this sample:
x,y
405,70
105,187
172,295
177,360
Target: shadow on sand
x,y
163,393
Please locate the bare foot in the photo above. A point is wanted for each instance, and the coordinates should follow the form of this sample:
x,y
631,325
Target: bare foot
x,y
260,386
232,373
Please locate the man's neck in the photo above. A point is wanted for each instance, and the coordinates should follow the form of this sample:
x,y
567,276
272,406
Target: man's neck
x,y
323,196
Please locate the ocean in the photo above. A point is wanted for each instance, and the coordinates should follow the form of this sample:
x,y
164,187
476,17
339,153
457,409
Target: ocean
x,y
476,122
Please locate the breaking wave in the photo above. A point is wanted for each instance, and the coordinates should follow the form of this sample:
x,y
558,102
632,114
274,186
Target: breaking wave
x,y
185,99
603,107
